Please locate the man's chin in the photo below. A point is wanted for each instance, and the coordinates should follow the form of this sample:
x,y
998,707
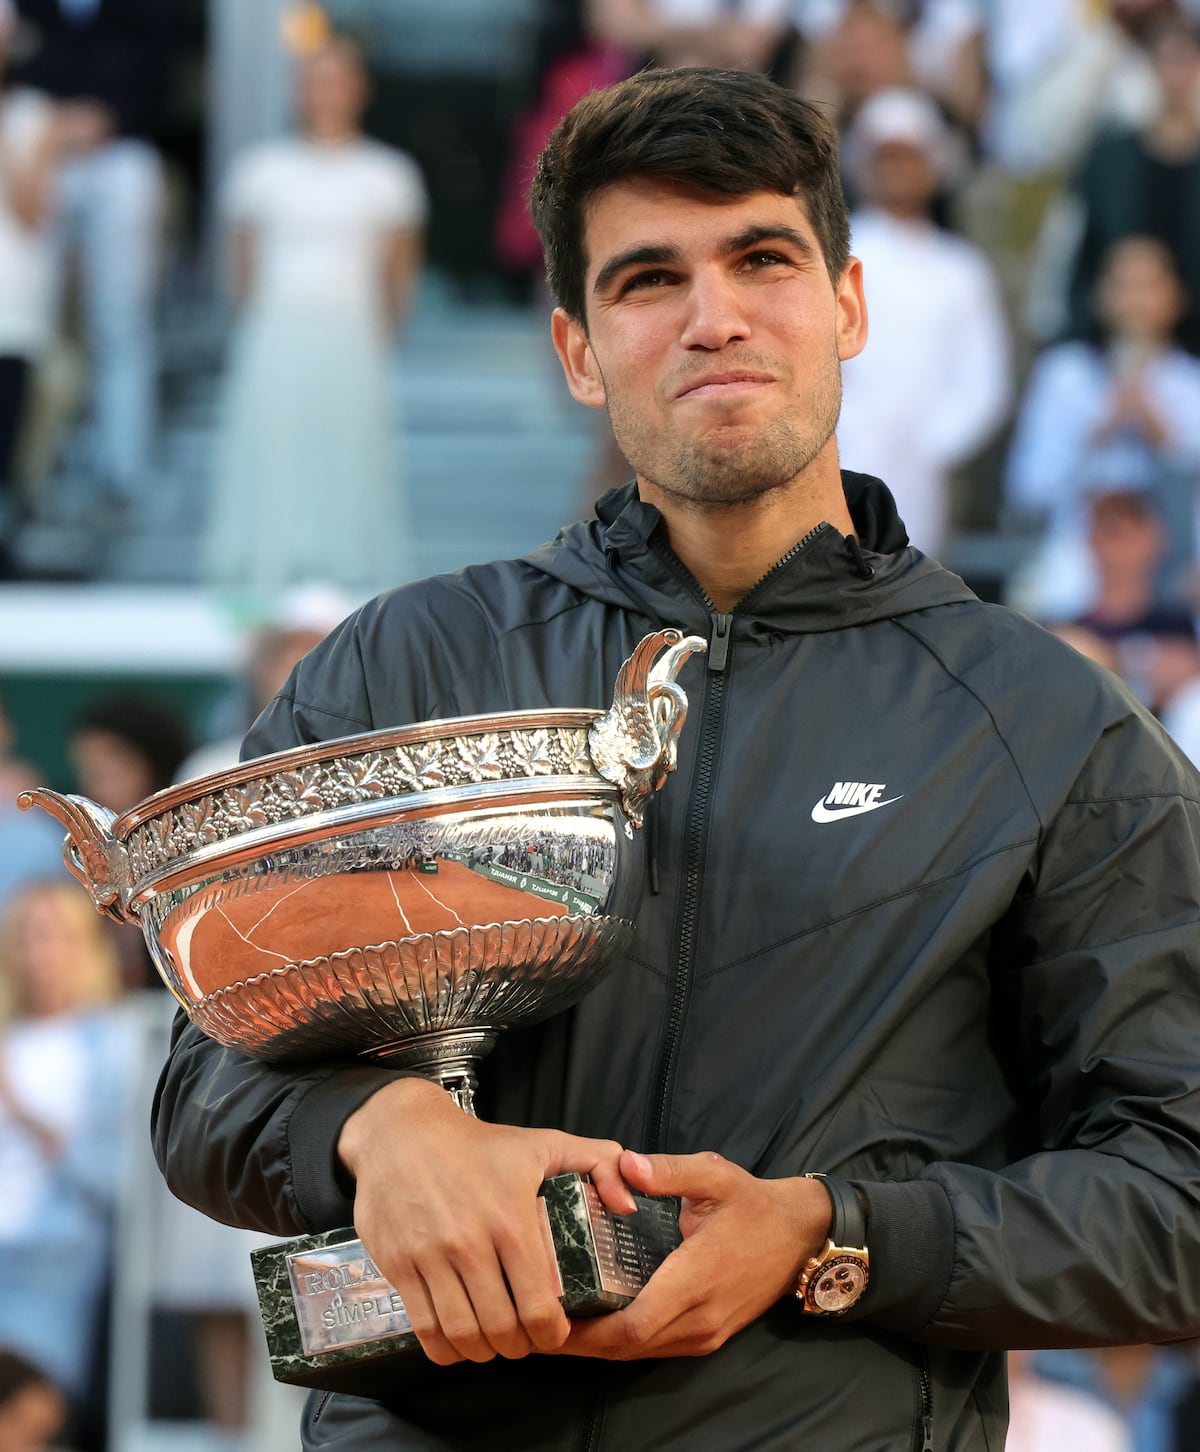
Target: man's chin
x,y
724,487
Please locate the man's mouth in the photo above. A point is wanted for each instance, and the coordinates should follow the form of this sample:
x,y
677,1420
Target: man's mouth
x,y
727,384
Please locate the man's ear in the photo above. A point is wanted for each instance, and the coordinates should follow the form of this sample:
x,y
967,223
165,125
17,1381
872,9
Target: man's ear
x,y
852,312
578,361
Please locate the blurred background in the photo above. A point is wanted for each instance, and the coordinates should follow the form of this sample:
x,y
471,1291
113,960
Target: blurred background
x,y
273,336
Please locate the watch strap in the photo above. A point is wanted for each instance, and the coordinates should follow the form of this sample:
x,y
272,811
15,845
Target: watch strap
x,y
849,1224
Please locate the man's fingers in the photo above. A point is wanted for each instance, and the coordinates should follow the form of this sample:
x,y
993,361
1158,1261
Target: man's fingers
x,y
697,1177
533,1282
673,1292
454,1314
599,1158
423,1319
498,1318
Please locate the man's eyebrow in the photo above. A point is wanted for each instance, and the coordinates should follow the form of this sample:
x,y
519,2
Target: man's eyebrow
x,y
768,232
647,253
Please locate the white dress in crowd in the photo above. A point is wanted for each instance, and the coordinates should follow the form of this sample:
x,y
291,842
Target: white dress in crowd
x,y
933,383
1054,464
308,485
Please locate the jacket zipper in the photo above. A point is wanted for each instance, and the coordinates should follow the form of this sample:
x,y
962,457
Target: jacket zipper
x,y
680,981
587,1437
783,561
589,1433
923,1380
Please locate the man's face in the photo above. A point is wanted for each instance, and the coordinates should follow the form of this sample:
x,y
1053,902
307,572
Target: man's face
x,y
714,337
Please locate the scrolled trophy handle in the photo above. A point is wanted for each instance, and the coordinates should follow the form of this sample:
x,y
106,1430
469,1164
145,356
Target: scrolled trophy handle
x,y
633,745
90,850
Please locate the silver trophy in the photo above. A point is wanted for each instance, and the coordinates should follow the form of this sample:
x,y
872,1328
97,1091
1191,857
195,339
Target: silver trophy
x,y
402,895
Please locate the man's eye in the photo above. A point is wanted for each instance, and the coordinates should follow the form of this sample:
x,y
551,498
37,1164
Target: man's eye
x,y
645,279
764,259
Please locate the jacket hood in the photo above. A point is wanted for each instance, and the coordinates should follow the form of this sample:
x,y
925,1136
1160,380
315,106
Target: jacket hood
x,y
828,582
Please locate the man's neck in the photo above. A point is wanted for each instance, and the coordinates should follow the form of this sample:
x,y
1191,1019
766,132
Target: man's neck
x,y
730,548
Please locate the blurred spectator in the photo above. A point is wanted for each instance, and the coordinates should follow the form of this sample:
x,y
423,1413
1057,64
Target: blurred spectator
x,y
32,1408
123,749
1154,644
108,63
205,1269
1061,71
1145,181
30,138
853,48
1122,411
30,843
302,618
863,51
326,244
66,1081
743,35
933,384
1046,1416
1147,1387
1181,718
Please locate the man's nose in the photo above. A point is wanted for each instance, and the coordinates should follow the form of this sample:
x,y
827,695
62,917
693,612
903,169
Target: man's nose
x,y
715,314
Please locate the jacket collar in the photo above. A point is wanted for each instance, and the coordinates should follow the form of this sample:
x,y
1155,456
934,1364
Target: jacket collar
x,y
826,583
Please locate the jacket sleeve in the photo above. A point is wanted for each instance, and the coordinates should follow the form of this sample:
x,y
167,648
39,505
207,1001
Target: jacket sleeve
x,y
1093,1236
245,1142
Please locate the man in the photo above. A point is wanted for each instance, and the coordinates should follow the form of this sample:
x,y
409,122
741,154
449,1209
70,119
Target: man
x,y
934,386
922,915
108,66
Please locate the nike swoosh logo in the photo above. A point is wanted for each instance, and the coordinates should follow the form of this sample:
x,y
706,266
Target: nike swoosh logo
x,y
822,813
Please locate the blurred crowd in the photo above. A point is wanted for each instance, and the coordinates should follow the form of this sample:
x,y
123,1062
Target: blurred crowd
x,y
1024,178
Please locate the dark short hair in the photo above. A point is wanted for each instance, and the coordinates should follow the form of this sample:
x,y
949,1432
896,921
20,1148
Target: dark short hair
x,y
151,727
727,132
18,1374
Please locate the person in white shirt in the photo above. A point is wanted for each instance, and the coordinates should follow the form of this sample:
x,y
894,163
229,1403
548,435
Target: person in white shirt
x,y
934,386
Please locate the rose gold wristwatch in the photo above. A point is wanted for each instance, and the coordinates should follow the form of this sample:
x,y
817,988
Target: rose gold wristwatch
x,y
835,1279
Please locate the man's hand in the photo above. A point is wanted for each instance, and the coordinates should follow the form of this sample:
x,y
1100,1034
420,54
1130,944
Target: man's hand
x,y
745,1243
447,1207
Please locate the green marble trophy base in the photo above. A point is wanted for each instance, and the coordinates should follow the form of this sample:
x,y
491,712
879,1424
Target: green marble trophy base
x,y
330,1316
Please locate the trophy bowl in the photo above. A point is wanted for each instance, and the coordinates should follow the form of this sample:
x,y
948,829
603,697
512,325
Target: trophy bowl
x,y
402,894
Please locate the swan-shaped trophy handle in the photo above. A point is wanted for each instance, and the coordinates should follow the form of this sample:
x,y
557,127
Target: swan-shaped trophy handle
x,y
90,850
633,745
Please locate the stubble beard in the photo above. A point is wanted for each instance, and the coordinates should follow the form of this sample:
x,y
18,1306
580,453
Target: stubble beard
x,y
721,470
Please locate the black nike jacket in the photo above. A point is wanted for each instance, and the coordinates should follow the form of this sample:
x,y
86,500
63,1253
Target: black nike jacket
x,y
927,917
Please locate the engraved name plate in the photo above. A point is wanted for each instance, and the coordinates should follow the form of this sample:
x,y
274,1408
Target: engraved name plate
x,y
341,1299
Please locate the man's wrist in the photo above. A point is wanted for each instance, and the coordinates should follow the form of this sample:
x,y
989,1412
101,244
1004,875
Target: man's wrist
x,y
400,1097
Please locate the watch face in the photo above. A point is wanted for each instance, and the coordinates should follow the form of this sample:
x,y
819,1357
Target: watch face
x,y
838,1285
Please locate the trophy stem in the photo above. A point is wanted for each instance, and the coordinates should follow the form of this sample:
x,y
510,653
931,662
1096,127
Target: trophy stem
x,y
447,1056
461,1088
